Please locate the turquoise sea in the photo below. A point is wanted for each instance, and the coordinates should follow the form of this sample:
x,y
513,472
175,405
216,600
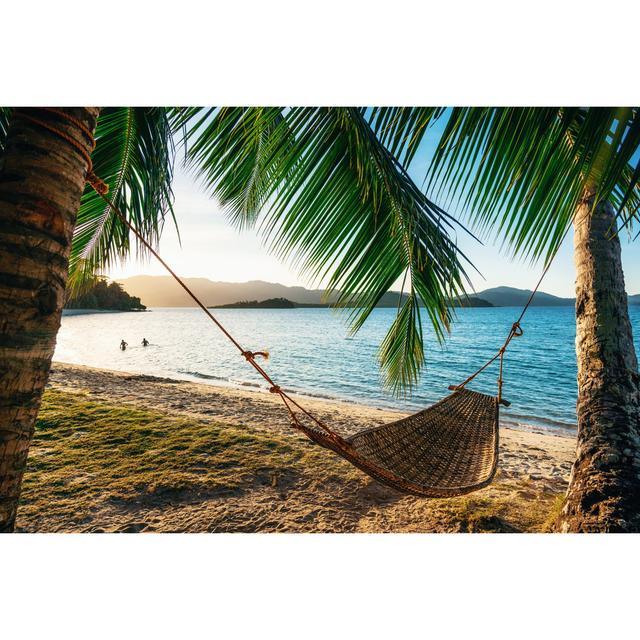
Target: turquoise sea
x,y
313,354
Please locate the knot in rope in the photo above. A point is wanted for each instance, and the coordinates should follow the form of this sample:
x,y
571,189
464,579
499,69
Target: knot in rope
x,y
98,184
250,355
275,389
516,329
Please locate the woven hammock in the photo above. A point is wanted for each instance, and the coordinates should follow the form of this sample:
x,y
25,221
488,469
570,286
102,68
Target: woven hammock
x,y
447,450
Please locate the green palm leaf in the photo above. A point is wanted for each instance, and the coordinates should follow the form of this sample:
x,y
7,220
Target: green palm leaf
x,y
242,138
5,114
402,129
519,173
332,199
134,155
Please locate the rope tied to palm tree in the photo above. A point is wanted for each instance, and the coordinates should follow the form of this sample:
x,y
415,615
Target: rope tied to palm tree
x,y
99,185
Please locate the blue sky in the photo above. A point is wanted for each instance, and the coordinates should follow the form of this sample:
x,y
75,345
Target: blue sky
x,y
213,249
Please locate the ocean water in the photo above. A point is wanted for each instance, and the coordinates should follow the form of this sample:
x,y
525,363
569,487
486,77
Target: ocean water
x,y
312,353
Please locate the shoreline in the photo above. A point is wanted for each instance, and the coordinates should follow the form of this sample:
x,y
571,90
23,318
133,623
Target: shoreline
x,y
63,374
517,422
87,312
241,406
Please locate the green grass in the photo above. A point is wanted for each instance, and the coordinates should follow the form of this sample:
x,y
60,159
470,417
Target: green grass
x,y
86,453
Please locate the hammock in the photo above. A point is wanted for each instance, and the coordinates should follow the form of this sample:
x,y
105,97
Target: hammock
x,y
448,449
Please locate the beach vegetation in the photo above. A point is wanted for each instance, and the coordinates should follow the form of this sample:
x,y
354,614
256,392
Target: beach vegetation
x,y
105,295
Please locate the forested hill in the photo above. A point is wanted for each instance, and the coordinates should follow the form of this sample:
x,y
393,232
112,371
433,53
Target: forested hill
x,y
470,301
107,296
271,303
512,297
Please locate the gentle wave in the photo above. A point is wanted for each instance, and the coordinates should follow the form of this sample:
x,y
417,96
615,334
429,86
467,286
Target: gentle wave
x,y
203,376
254,385
514,420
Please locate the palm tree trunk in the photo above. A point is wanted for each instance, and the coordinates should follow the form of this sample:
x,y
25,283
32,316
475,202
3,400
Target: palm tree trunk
x,y
604,490
42,178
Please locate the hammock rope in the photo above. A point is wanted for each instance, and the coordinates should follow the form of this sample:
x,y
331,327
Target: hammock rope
x,y
448,449
515,332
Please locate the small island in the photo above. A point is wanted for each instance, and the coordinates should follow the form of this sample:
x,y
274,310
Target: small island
x,y
106,296
470,301
271,303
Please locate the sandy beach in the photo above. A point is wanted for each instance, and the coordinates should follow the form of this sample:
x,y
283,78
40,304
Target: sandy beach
x,y
292,486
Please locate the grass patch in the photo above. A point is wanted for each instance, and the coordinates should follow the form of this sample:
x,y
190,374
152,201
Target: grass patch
x,y
86,454
554,513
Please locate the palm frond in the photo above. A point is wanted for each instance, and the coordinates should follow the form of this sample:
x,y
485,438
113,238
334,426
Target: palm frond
x,y
520,172
402,129
134,155
331,198
402,348
5,115
242,137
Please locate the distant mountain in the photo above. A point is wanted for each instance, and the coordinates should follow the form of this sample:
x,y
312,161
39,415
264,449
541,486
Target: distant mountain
x,y
164,291
511,297
283,303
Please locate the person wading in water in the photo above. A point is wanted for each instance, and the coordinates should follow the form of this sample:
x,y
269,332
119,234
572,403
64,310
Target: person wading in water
x,y
123,345
145,342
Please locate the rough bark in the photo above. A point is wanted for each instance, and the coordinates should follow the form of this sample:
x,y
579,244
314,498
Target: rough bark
x,y
42,178
604,490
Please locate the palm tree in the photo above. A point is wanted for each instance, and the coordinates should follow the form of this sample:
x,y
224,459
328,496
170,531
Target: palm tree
x,y
43,202
528,174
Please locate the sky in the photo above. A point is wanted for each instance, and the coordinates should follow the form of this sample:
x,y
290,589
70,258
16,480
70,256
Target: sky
x,y
211,247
